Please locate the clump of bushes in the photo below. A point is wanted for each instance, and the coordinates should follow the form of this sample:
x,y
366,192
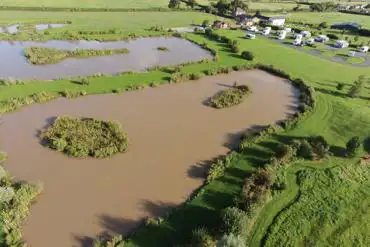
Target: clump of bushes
x,y
229,97
313,148
201,238
116,241
162,48
256,189
247,55
82,137
234,221
46,55
72,94
218,167
15,200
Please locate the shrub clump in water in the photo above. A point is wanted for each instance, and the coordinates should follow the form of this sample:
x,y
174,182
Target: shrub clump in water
x,y
46,55
82,137
230,97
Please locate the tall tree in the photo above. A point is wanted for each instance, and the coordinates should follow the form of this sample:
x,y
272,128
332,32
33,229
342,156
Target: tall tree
x,y
174,4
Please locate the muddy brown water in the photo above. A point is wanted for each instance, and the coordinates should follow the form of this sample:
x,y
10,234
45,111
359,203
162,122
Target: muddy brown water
x,y
171,132
143,54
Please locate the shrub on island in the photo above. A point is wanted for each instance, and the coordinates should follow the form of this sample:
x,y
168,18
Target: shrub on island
x,y
82,137
229,97
46,55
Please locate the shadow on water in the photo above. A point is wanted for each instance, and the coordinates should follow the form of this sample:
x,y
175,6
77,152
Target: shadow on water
x,y
48,122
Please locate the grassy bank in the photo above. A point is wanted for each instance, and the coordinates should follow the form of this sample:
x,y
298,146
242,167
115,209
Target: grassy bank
x,y
85,137
131,21
45,55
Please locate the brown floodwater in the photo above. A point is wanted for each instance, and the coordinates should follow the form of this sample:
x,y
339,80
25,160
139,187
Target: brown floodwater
x,y
143,54
171,134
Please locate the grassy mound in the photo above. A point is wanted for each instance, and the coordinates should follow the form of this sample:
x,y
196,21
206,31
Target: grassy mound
x,y
229,97
85,137
45,55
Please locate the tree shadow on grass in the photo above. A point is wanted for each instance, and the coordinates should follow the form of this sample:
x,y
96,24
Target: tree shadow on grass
x,y
339,94
367,144
338,151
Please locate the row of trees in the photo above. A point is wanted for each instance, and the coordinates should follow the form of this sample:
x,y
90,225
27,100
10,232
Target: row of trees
x,y
220,7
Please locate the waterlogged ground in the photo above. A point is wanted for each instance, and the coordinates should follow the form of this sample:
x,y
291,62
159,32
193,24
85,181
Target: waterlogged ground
x,y
172,135
142,54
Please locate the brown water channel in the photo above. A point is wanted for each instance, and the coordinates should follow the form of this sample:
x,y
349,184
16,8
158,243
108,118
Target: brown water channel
x,y
172,134
142,55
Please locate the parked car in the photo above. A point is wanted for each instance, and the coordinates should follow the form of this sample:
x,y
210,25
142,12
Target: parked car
x,y
282,35
322,38
310,41
341,44
364,49
297,42
266,31
250,36
351,53
306,34
252,29
298,36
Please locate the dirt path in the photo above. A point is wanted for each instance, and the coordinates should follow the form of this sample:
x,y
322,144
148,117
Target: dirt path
x,y
171,131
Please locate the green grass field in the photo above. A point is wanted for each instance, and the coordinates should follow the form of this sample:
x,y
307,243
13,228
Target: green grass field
x,y
325,207
90,3
99,21
330,18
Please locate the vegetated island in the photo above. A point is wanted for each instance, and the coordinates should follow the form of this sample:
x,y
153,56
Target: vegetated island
x,y
46,55
230,97
162,48
82,137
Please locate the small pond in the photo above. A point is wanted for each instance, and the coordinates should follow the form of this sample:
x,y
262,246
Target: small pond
x,y
143,55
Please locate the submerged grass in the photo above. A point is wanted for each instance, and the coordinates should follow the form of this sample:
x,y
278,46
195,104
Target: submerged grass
x,y
85,137
45,55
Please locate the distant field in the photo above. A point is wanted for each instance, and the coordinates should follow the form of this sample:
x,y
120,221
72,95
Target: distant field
x,y
313,17
104,20
275,6
90,3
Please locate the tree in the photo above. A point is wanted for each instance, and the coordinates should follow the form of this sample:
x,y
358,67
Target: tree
x,y
206,23
174,4
191,3
201,238
323,25
320,146
234,221
247,55
231,240
356,89
222,6
238,4
352,146
340,86
356,38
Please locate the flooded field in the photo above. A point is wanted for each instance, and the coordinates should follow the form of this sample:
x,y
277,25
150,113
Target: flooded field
x,y
172,135
142,54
